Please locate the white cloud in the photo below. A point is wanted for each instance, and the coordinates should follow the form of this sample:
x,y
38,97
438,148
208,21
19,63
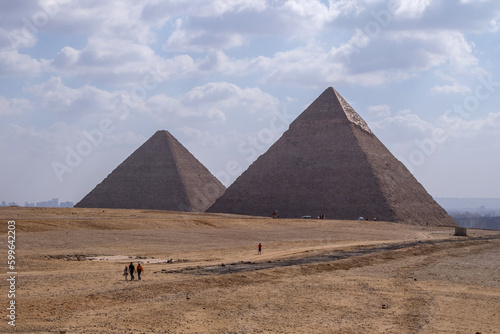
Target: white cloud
x,y
213,26
472,1
102,59
314,11
13,63
219,62
308,18
458,127
382,110
12,40
114,19
14,106
125,58
363,59
121,63
411,9
201,40
16,28
57,97
203,138
308,66
221,7
425,50
229,96
161,105
404,124
213,101
451,89
406,128
412,52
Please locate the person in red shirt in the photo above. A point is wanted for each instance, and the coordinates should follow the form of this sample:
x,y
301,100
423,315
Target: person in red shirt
x,y
260,248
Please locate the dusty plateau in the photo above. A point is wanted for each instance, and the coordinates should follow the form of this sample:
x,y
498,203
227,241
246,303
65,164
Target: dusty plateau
x,y
203,274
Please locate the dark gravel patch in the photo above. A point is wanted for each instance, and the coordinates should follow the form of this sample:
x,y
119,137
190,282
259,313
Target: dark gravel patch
x,y
246,266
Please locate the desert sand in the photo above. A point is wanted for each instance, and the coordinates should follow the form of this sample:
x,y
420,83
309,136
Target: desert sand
x,y
203,274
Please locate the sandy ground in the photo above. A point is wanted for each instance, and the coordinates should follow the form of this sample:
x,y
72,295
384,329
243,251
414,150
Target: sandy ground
x,y
203,275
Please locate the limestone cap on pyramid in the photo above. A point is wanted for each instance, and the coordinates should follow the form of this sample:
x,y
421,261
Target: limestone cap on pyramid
x,y
330,106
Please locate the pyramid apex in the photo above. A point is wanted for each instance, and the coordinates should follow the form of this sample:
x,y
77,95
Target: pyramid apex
x,y
330,106
164,134
330,91
162,131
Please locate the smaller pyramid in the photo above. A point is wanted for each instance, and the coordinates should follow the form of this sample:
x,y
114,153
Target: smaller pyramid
x,y
160,175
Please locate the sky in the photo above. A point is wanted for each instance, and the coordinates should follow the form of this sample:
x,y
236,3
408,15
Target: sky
x,y
85,83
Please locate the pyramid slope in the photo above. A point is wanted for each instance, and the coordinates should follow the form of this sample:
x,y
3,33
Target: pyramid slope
x,y
329,162
407,198
160,175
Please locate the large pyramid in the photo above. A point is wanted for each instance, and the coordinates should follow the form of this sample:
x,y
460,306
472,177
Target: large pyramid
x,y
161,175
329,162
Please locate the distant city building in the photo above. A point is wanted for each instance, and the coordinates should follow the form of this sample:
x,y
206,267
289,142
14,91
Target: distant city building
x,y
53,203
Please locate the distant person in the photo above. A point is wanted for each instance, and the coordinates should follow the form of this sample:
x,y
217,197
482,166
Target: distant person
x,y
131,270
125,272
260,248
139,271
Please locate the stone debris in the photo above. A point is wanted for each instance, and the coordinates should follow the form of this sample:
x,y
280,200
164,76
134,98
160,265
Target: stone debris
x,y
70,257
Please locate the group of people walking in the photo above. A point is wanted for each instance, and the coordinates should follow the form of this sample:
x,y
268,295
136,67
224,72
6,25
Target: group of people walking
x,y
131,269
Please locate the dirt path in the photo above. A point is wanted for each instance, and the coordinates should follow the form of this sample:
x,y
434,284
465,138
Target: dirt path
x,y
325,256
